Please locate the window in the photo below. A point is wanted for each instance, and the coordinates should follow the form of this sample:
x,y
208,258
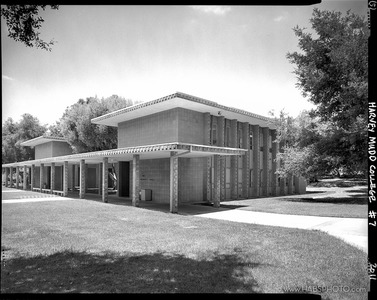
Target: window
x,y
251,141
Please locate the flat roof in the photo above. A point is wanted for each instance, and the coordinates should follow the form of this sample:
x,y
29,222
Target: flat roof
x,y
179,99
126,154
42,140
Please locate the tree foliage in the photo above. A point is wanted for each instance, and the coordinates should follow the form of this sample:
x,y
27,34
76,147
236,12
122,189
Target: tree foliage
x,y
81,134
24,23
332,71
312,148
332,68
14,133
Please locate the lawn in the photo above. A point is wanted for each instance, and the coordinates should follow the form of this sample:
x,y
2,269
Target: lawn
x,y
87,246
327,198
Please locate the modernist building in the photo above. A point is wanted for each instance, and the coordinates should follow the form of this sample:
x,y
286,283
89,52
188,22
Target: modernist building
x,y
180,147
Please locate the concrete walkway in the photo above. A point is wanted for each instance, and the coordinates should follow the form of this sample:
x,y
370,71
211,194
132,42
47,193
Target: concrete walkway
x,y
351,230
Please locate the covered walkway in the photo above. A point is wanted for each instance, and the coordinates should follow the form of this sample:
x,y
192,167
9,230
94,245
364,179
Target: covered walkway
x,y
57,174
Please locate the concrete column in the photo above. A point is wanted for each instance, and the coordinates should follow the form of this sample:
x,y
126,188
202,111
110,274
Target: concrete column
x,y
221,131
297,185
300,185
41,176
207,141
207,128
65,179
6,176
222,177
216,192
282,179
52,185
135,179
274,182
73,177
32,177
208,182
17,175
290,184
99,178
233,160
10,177
105,179
173,182
117,175
24,183
82,179
256,157
86,176
282,186
266,151
245,160
221,143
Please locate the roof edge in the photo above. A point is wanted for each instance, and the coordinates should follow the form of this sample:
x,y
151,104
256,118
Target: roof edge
x,y
182,96
49,138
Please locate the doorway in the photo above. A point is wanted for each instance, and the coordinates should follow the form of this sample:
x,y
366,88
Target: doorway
x,y
124,179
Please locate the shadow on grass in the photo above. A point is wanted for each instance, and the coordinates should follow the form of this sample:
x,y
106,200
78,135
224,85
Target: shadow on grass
x,y
315,192
332,200
340,183
230,206
359,192
227,206
83,272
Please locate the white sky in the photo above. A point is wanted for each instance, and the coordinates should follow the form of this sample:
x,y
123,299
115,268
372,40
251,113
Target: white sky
x,y
233,55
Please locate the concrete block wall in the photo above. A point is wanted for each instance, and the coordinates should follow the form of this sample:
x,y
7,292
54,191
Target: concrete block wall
x,y
191,179
60,148
155,175
37,176
91,179
190,127
152,129
174,125
195,176
52,149
59,178
43,150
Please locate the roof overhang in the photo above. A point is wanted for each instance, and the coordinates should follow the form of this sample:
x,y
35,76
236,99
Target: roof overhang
x,y
185,101
145,152
42,140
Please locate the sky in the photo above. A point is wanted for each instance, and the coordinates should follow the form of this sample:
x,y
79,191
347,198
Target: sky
x,y
233,55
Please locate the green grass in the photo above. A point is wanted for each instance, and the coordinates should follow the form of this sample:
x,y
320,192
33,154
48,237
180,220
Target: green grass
x,y
308,207
328,198
88,246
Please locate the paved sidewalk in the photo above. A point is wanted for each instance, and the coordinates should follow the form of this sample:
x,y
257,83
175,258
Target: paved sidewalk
x,y
351,230
10,195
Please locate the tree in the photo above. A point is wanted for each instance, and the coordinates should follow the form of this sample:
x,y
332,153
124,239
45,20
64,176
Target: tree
x,y
332,69
81,134
55,130
296,153
13,134
312,148
9,129
23,24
